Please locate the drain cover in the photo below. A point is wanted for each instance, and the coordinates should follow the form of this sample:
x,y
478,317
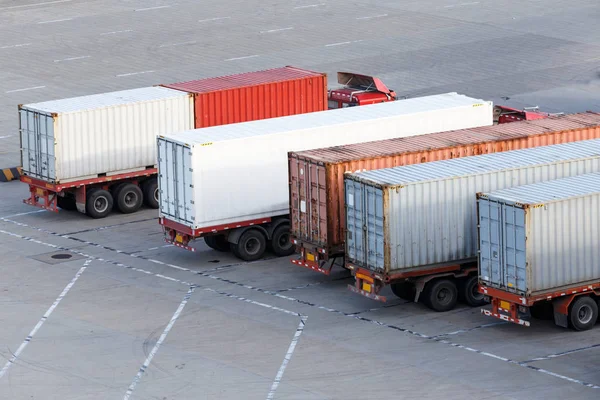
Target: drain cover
x,y
61,256
215,261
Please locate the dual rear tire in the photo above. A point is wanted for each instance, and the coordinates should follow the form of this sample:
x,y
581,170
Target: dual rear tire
x,y
126,197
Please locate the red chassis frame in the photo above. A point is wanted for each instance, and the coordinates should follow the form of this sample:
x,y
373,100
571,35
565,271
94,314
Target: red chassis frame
x,y
511,302
180,235
369,284
44,195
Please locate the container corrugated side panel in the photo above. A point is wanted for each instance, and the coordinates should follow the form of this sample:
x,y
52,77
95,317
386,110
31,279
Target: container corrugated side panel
x,y
255,169
433,221
413,150
266,100
176,194
116,139
563,247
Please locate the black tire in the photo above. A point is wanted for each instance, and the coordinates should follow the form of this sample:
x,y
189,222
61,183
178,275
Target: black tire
x,y
441,295
150,189
129,198
280,243
404,290
114,190
251,245
583,313
468,293
99,203
67,203
217,242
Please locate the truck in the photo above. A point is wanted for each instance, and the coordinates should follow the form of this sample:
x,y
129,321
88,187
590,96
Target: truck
x,y
319,240
359,90
414,227
98,152
539,253
229,184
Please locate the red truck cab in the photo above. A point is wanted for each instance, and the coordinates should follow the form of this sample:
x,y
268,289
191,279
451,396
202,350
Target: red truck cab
x,y
358,90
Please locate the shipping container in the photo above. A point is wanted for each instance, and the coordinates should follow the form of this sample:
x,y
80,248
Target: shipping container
x,y
540,241
250,159
421,219
99,135
319,231
255,95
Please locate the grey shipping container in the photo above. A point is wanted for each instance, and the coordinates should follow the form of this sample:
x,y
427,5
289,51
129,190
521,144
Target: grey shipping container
x,y
540,237
424,216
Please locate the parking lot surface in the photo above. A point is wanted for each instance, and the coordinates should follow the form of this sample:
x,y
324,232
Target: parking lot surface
x,y
102,309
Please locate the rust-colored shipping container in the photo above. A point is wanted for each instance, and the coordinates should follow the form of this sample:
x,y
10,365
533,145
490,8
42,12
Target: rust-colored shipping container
x,y
317,176
250,96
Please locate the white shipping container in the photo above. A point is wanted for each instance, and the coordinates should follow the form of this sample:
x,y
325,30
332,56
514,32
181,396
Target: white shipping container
x,y
238,172
425,215
110,133
541,237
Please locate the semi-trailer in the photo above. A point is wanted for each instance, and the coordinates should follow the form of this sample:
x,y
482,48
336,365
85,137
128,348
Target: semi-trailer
x,y
415,227
92,152
317,209
229,184
539,253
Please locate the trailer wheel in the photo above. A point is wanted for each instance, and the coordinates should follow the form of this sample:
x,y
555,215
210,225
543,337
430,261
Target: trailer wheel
x,y
404,290
280,243
441,295
251,246
129,198
217,242
66,203
468,292
150,188
583,313
99,202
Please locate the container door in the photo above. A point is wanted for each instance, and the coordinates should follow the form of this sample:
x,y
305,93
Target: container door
x,y
490,242
355,251
364,223
374,227
175,182
37,142
513,251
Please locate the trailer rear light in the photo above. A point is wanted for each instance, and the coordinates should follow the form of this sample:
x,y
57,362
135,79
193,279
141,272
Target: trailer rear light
x,y
523,309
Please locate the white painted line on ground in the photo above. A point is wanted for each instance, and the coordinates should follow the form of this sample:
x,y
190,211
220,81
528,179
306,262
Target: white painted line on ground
x,y
19,214
177,44
213,19
563,353
278,30
373,16
152,8
241,58
462,4
44,318
287,358
55,20
115,32
135,73
16,45
309,6
6,137
24,89
72,58
342,43
161,339
35,4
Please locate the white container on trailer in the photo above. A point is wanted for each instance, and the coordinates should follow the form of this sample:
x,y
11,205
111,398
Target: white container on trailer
x,y
102,134
540,237
425,215
226,174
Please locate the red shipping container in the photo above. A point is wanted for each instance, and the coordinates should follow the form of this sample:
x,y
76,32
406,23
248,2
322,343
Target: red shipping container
x,y
256,95
319,233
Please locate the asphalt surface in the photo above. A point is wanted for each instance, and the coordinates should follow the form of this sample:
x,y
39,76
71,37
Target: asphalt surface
x,y
127,317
